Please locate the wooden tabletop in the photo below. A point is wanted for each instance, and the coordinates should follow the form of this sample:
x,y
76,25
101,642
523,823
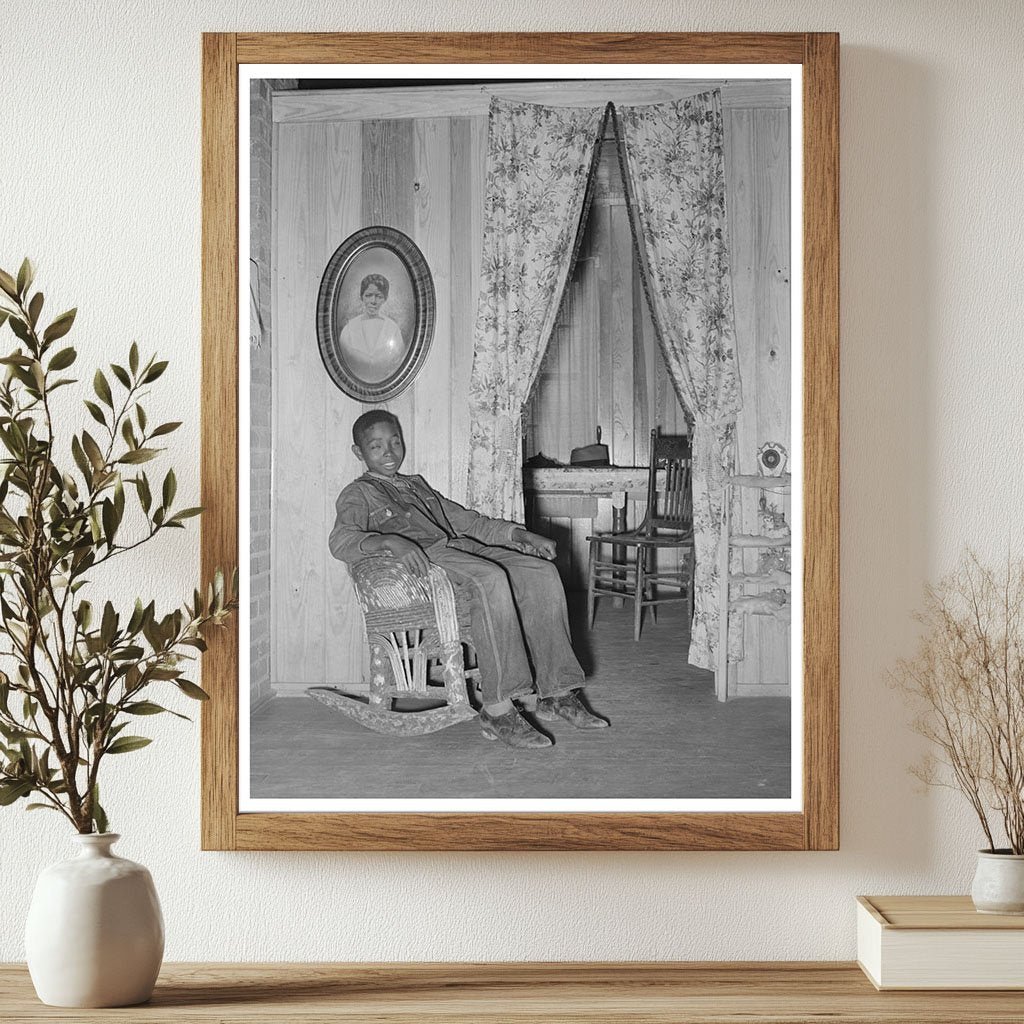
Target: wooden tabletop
x,y
661,993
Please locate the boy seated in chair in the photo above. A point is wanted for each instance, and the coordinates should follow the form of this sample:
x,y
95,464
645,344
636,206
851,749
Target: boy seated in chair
x,y
517,604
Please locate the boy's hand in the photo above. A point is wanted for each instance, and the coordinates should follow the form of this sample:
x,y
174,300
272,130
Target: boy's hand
x,y
535,544
410,554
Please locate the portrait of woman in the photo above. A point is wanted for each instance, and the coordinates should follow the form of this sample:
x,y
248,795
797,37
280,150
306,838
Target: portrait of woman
x,y
371,341
375,313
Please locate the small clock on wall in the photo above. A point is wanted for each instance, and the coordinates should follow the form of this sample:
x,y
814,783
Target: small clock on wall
x,y
772,459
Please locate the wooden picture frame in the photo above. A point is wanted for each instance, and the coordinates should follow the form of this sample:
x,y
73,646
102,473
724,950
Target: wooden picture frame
x,y
816,826
394,255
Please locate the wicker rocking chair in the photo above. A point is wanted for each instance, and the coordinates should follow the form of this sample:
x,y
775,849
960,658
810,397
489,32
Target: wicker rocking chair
x,y
415,627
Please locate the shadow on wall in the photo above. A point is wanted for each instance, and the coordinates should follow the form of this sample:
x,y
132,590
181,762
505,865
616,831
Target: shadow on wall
x,y
888,274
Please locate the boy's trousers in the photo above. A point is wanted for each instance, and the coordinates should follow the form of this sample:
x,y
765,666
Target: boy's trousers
x,y
518,619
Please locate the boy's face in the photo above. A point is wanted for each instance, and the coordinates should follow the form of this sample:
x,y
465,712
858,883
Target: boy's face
x,y
381,448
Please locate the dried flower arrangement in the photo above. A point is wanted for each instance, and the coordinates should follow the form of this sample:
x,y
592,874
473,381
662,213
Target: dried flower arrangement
x,y
967,682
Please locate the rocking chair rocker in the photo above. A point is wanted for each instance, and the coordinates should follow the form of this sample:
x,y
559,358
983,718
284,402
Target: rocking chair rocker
x,y
413,623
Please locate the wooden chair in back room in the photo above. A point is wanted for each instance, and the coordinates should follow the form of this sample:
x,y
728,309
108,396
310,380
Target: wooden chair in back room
x,y
667,528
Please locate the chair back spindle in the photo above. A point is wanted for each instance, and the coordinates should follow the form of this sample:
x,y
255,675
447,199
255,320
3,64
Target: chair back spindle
x,y
669,508
659,566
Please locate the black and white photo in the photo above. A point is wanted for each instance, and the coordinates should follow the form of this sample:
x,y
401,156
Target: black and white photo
x,y
523,504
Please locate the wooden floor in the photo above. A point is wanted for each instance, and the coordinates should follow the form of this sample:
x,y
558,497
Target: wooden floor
x,y
669,739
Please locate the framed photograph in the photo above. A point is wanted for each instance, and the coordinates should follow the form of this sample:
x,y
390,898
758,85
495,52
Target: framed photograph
x,y
375,314
520,418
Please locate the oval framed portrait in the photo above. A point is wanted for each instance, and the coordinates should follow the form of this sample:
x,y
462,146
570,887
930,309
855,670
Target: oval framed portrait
x,y
375,314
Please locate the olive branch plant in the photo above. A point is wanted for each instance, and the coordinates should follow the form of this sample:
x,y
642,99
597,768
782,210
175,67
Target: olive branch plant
x,y
966,682
73,676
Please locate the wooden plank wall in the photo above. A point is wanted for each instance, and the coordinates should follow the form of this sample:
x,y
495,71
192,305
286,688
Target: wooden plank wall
x,y
425,177
758,167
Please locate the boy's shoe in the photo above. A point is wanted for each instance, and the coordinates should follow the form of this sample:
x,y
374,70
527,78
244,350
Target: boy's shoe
x,y
513,730
569,706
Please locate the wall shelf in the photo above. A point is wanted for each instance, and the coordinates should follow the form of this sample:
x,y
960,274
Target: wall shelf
x,y
526,993
732,596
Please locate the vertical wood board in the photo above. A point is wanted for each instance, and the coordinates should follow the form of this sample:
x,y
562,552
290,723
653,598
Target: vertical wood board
x,y
758,196
345,655
304,184
432,226
469,173
389,160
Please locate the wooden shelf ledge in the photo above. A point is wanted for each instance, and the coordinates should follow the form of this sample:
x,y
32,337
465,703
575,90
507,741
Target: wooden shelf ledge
x,y
756,540
523,993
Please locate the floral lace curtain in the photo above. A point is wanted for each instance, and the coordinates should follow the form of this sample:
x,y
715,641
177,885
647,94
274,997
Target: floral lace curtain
x,y
673,163
538,166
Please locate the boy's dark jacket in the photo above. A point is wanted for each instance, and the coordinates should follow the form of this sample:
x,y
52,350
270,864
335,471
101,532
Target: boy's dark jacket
x,y
373,505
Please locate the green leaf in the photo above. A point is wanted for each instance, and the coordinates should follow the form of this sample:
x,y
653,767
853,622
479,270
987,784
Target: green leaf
x,y
185,513
80,458
165,428
99,816
145,498
109,521
11,733
95,412
102,388
128,433
144,707
14,790
133,358
4,314
26,273
34,308
170,674
191,690
170,488
92,449
137,618
130,653
63,359
108,627
154,372
119,499
60,326
125,744
96,711
20,328
139,455
140,415
121,374
8,284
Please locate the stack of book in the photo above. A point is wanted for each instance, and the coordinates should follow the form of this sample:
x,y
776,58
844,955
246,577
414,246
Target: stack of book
x,y
938,942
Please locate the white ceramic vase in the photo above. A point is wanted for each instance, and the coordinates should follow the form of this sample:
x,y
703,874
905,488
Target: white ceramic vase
x,y
999,883
95,933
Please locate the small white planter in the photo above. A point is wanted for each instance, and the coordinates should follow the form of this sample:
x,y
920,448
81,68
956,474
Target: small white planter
x,y
999,883
95,933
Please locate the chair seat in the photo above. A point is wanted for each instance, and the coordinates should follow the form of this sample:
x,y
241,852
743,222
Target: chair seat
x,y
632,537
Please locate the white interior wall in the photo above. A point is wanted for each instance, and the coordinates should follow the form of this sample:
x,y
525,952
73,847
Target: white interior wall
x,y
101,184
